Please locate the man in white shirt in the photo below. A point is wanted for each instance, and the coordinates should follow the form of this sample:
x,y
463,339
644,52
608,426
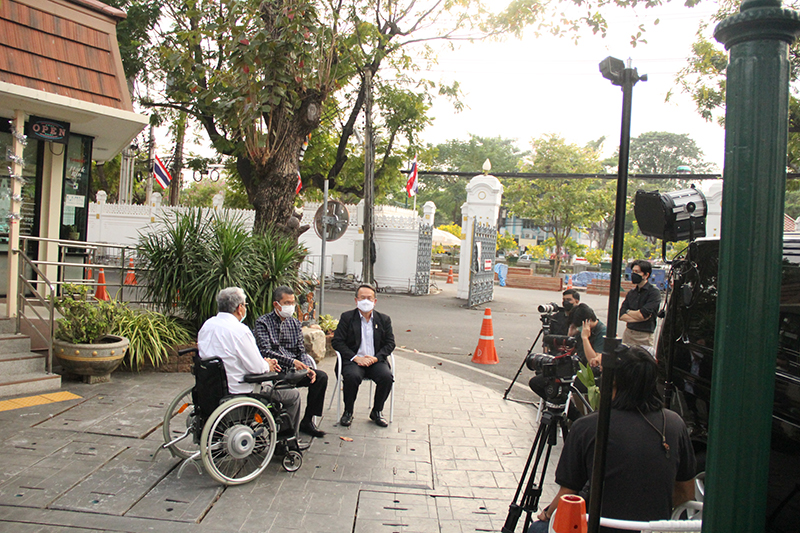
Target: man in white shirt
x,y
226,337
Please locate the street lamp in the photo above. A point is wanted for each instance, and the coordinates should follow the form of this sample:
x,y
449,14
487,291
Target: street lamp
x,y
612,69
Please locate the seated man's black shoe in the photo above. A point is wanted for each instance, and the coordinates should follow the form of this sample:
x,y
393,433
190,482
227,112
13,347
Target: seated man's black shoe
x,y
377,417
347,418
309,428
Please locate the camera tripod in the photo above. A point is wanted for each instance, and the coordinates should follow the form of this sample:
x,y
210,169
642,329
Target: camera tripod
x,y
554,417
544,330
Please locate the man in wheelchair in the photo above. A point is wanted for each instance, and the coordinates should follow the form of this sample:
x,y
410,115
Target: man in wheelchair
x,y
226,337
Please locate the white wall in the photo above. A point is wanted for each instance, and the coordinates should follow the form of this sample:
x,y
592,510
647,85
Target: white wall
x,y
396,236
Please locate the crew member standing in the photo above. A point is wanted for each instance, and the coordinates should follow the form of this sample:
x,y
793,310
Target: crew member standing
x,y
640,307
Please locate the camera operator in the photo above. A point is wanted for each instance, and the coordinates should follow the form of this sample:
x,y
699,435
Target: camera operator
x,y
589,349
584,323
559,322
650,460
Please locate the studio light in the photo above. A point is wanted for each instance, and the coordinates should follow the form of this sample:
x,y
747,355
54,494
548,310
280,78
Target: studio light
x,y
671,216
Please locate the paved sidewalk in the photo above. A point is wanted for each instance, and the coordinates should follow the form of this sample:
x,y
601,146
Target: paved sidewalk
x,y
450,462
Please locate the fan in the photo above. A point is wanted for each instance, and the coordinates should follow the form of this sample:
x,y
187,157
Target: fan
x,y
337,220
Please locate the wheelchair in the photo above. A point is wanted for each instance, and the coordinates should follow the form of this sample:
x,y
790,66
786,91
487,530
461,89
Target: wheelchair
x,y
233,435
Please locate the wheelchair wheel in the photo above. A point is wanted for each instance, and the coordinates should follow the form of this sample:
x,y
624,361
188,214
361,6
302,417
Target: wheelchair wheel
x,y
178,417
292,461
238,441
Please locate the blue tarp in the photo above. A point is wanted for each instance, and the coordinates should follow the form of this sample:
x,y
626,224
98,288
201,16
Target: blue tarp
x,y
502,273
582,279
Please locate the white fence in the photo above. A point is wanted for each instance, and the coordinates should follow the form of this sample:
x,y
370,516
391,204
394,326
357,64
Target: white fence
x,y
396,235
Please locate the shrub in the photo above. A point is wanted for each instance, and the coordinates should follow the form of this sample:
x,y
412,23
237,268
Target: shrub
x,y
151,334
85,319
196,256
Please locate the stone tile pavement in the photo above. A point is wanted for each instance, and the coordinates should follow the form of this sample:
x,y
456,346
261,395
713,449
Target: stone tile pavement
x,y
450,462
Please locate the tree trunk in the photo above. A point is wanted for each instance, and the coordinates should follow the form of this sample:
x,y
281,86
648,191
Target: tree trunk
x,y
270,188
177,160
271,183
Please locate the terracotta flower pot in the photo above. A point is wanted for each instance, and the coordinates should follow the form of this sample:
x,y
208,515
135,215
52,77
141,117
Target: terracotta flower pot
x,y
329,351
94,362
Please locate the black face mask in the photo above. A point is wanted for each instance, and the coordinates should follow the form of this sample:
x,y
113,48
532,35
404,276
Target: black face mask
x,y
636,278
567,306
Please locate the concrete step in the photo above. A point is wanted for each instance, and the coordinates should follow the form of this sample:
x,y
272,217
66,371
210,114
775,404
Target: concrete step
x,y
21,363
8,325
30,383
11,343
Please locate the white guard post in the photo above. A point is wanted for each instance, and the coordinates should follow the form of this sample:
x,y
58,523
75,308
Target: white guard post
x,y
484,194
428,212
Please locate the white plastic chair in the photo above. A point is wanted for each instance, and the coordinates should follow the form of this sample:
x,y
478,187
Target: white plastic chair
x,y
339,386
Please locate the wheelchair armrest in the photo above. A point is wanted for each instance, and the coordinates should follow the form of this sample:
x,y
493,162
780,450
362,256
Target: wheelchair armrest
x,y
261,378
292,378
185,351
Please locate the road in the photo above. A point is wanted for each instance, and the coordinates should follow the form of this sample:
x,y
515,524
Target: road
x,y
438,325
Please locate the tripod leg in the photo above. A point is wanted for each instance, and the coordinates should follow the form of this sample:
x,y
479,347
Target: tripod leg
x,y
533,492
519,370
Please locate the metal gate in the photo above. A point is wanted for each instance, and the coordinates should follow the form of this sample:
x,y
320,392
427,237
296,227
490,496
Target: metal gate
x,y
481,264
422,283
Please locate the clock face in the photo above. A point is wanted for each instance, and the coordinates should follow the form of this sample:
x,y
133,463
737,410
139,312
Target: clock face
x,y
482,195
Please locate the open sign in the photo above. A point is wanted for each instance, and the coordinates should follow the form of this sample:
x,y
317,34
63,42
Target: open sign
x,y
45,129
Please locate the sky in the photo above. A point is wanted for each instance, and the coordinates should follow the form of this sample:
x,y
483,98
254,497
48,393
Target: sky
x,y
523,89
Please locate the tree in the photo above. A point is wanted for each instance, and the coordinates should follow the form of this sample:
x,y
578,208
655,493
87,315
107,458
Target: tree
x,y
449,193
256,75
703,78
661,152
506,243
559,206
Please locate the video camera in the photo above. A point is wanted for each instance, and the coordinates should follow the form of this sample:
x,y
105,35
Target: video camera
x,y
550,308
563,367
558,343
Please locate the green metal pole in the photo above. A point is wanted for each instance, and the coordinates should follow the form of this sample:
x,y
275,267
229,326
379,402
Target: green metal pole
x,y
746,342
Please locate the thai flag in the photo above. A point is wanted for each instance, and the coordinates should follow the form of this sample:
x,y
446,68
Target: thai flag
x,y
161,174
299,184
411,184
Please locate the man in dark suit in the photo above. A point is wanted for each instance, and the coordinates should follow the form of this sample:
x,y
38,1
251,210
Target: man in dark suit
x,y
365,341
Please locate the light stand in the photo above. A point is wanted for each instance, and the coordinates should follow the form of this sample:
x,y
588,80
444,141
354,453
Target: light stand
x,y
614,70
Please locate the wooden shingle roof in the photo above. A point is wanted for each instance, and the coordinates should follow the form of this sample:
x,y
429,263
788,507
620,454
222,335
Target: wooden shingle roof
x,y
63,47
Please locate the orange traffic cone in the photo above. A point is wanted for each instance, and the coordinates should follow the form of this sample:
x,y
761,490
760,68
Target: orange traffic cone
x,y
130,277
101,293
570,515
569,282
485,353
89,275
450,275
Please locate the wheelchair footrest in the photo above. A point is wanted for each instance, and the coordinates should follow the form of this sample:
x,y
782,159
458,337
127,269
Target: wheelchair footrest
x,y
193,461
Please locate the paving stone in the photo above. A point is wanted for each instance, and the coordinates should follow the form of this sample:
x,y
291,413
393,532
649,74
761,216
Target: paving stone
x,y
186,499
117,485
37,486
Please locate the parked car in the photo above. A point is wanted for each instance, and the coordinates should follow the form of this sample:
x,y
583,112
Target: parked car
x,y
685,352
524,260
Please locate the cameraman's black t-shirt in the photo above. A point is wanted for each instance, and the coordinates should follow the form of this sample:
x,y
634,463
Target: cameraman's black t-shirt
x,y
559,323
639,477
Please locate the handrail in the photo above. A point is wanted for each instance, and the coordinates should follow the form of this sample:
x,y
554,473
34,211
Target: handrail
x,y
23,283
121,252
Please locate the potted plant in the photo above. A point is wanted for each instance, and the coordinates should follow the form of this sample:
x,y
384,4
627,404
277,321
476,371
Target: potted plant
x,y
74,234
82,341
328,325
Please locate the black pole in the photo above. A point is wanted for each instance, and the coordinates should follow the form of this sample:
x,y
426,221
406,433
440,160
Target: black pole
x,y
614,70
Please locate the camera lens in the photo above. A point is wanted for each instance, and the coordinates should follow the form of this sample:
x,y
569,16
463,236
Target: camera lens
x,y
548,308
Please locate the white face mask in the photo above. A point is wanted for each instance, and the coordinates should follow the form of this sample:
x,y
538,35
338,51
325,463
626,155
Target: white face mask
x,y
365,305
243,317
285,311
